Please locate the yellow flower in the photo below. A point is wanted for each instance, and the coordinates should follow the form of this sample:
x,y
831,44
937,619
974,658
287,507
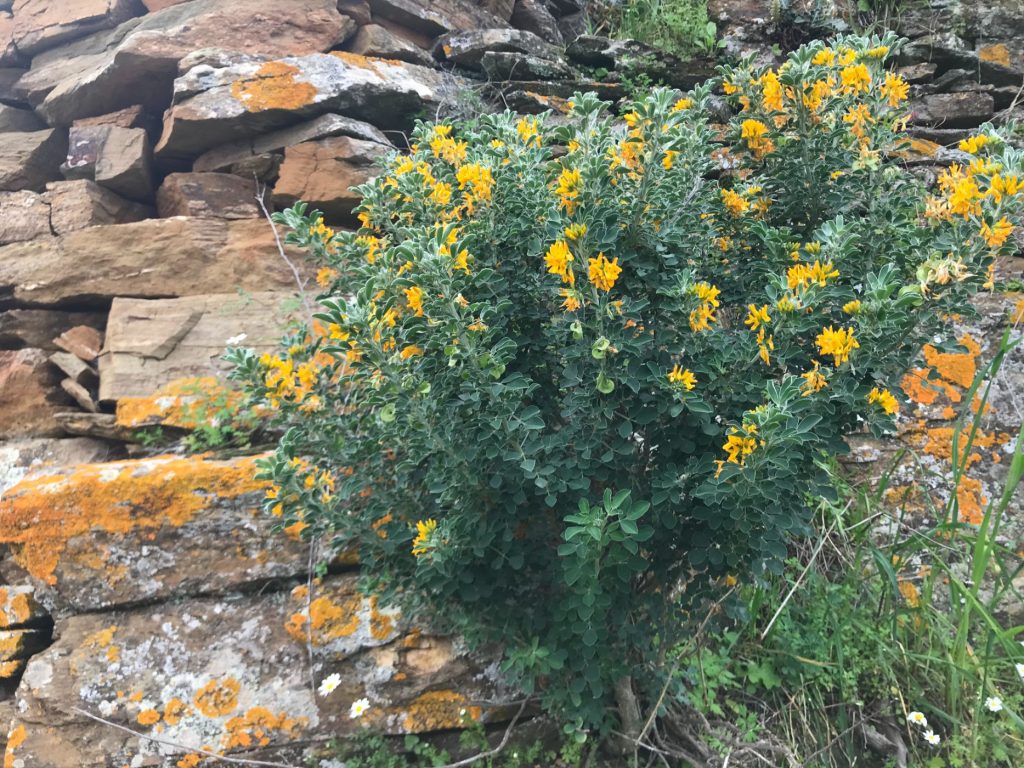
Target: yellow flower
x,y
559,260
414,297
424,531
815,380
682,104
771,89
568,188
756,316
852,307
974,143
894,89
480,182
442,193
785,304
477,326
997,235
734,203
527,130
451,151
684,378
571,299
575,231
839,344
855,79
325,276
878,52
706,293
668,159
603,273
411,351
754,132
1003,185
884,398
825,57
765,346
740,444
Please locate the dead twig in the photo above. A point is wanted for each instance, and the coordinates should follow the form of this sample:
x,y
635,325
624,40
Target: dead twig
x,y
260,192
497,749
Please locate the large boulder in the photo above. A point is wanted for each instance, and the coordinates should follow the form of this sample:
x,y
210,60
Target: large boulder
x,y
323,173
375,40
248,99
94,536
17,120
207,195
437,17
239,677
151,343
23,216
953,110
30,394
153,258
29,160
42,24
138,60
230,156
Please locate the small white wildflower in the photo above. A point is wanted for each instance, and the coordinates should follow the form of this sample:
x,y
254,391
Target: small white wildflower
x,y
329,683
932,738
918,718
1020,671
993,704
236,339
358,708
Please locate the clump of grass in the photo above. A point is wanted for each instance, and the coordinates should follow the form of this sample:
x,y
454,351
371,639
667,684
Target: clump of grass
x,y
680,27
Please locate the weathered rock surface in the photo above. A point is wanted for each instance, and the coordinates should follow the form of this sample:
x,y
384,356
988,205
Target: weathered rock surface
x,y
228,156
467,48
82,203
101,535
248,99
39,327
436,17
82,341
235,675
23,216
19,608
119,159
30,394
522,66
322,173
207,195
29,457
953,110
375,40
632,58
138,60
154,258
151,343
42,24
29,160
15,120
534,16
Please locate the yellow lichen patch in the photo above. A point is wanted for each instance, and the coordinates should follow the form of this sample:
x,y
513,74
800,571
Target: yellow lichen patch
x,y
178,404
328,620
12,645
218,697
15,608
910,593
258,727
364,62
189,761
14,740
174,710
437,711
39,517
148,717
995,54
9,669
956,367
274,86
1017,315
382,625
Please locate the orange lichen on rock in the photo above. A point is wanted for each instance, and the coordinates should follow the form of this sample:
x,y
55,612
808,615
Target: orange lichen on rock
x,y
995,54
382,625
274,86
16,607
39,517
437,711
327,619
189,761
970,501
174,710
365,62
148,717
218,697
9,669
257,728
14,740
1017,314
178,404
959,368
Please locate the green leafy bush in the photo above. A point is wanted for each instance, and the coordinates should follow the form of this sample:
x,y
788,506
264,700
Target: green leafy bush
x,y
569,380
681,27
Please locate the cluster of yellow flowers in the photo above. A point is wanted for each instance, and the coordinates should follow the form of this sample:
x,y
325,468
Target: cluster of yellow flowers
x,y
422,544
702,317
739,444
683,378
885,399
839,344
757,320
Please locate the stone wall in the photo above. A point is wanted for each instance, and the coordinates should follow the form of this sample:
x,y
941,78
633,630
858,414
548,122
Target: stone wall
x,y
140,141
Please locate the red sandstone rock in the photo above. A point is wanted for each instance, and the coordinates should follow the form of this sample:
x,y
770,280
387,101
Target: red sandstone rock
x,y
42,24
207,195
29,160
81,341
29,394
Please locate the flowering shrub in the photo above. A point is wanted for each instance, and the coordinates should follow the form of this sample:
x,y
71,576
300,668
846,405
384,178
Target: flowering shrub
x,y
571,379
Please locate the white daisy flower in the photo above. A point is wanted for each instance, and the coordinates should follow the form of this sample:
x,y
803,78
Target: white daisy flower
x,y
329,684
918,718
932,738
993,704
1020,671
358,708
